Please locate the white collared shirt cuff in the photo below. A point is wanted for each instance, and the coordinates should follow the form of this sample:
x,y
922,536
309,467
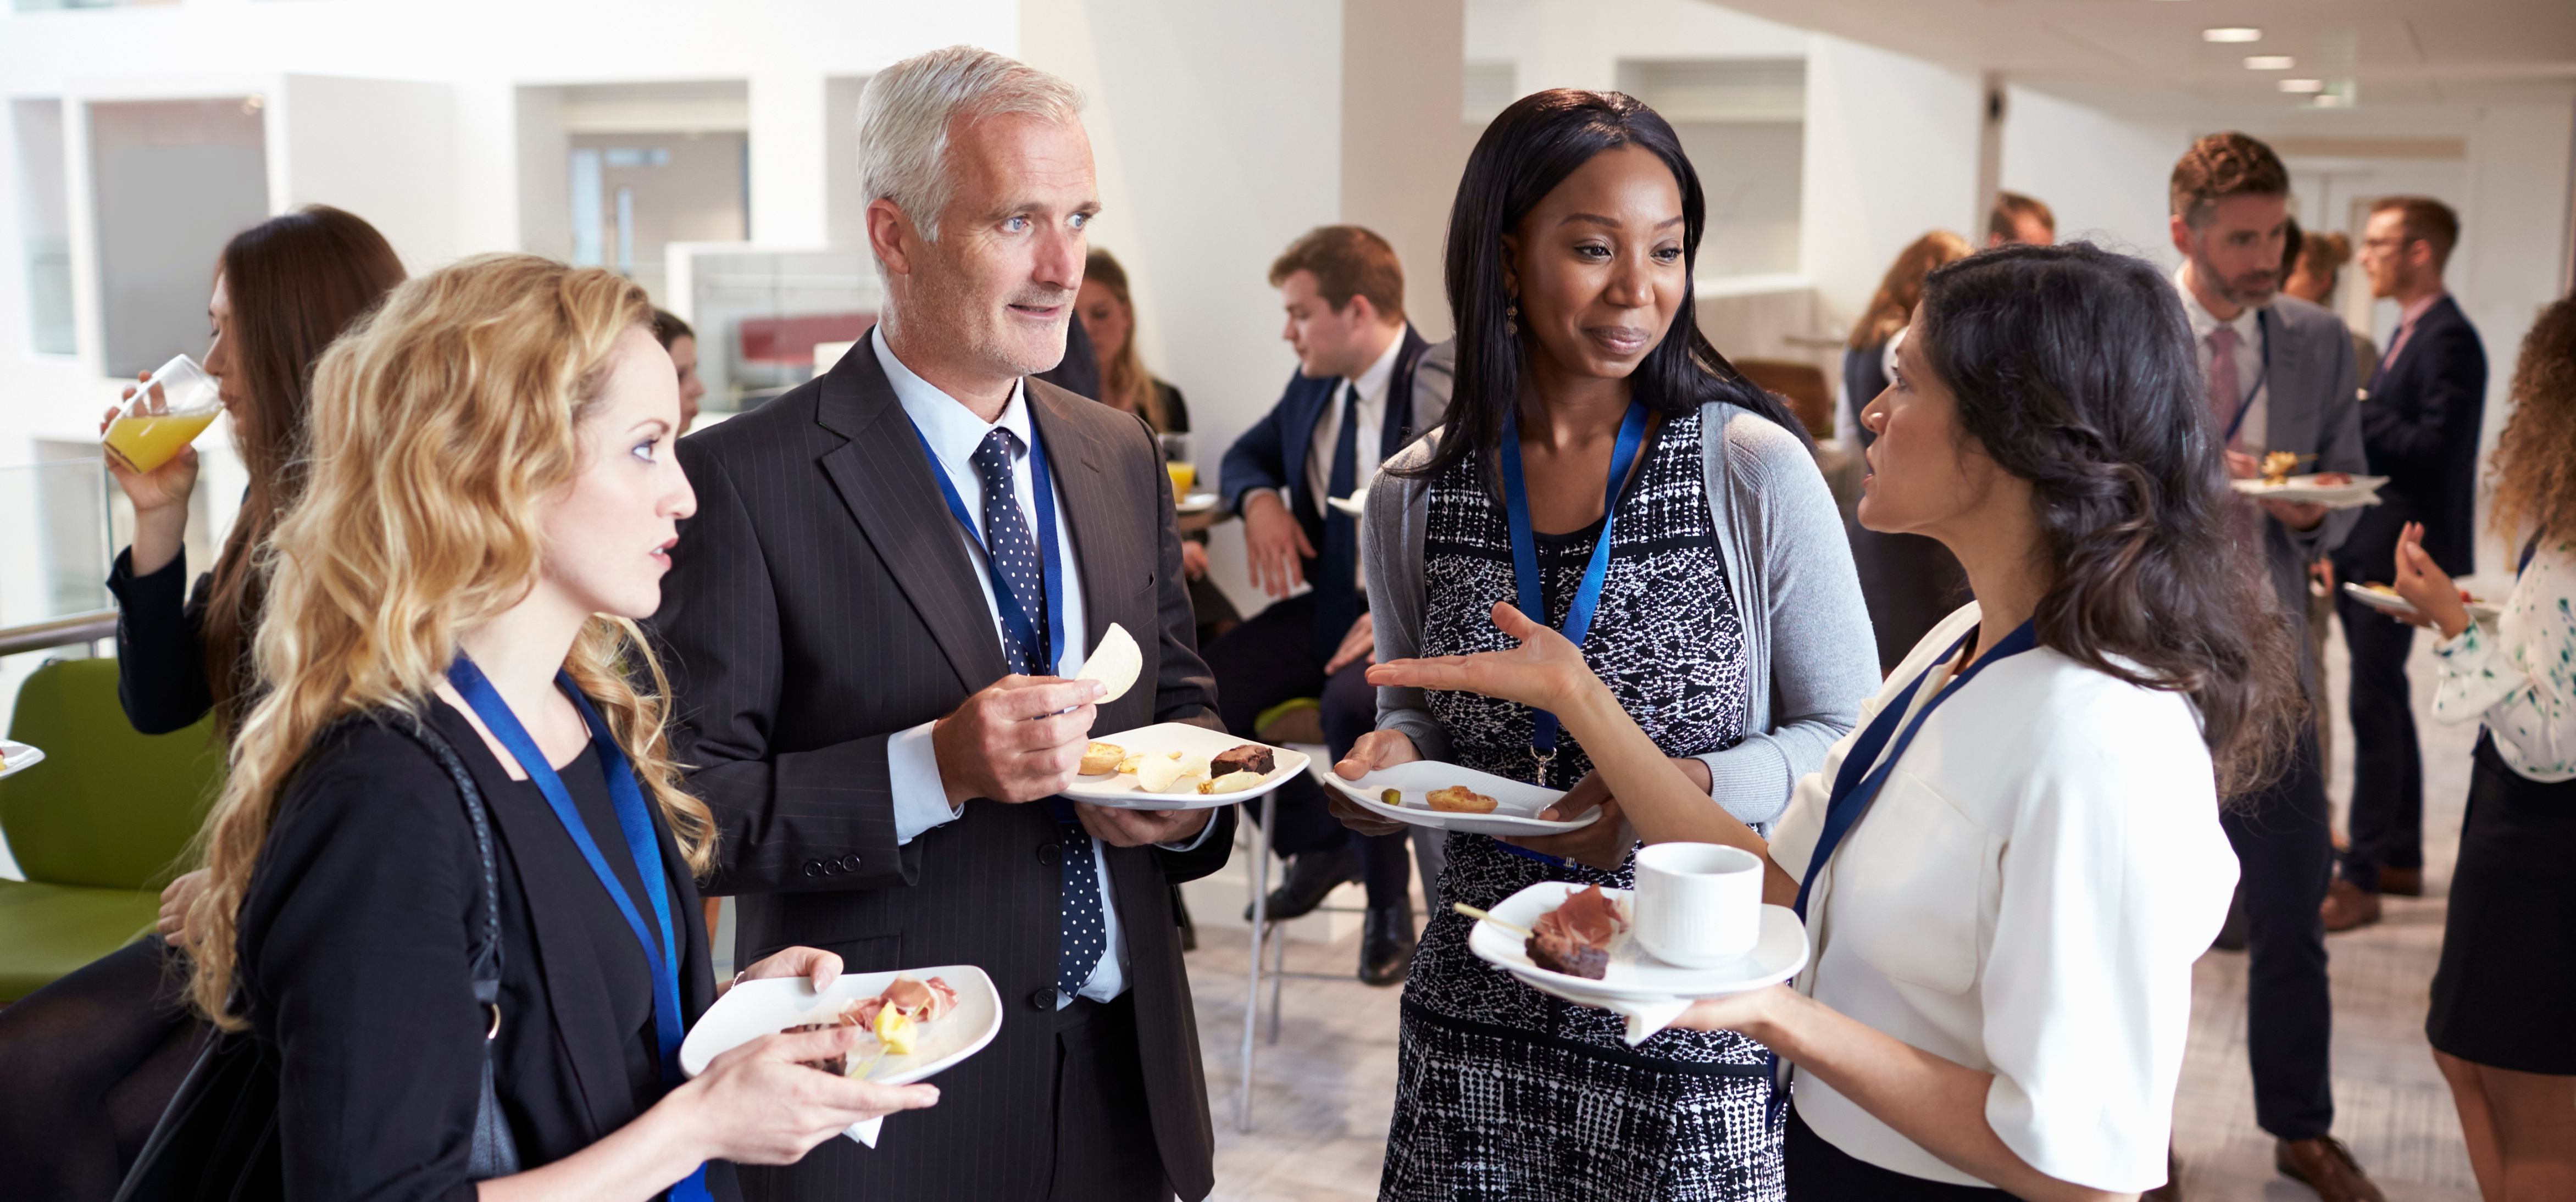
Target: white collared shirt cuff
x,y
912,775
1192,845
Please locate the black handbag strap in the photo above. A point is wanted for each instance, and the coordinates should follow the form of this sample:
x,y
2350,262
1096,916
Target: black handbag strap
x,y
495,1152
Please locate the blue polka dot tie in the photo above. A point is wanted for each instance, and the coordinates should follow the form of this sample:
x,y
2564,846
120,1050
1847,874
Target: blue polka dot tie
x,y
1082,934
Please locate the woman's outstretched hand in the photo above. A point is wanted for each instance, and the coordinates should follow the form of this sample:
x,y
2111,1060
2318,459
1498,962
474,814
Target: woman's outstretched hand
x,y
1545,672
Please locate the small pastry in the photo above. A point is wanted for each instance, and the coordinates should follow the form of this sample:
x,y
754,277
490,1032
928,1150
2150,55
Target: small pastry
x,y
1250,757
1100,758
1459,799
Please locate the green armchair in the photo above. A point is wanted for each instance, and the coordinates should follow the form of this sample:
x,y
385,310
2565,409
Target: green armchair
x,y
96,827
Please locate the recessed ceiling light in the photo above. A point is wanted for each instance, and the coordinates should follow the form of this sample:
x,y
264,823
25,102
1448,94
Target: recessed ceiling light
x,y
2303,85
2231,33
2269,62
2329,100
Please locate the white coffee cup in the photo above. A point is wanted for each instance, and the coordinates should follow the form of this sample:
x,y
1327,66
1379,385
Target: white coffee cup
x,y
1699,905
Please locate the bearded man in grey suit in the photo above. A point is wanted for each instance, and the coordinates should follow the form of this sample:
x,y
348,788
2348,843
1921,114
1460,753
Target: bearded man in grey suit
x,y
871,621
2280,378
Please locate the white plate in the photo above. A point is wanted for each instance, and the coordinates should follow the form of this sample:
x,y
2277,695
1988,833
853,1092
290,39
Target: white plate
x,y
1632,974
2391,603
1514,802
1163,738
1354,505
756,1008
18,757
1197,502
2364,490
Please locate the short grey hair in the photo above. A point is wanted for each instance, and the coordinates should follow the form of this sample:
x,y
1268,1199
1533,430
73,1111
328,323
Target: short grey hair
x,y
908,109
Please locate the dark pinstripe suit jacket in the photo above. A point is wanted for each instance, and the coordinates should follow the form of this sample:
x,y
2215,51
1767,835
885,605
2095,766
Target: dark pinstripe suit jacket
x,y
820,601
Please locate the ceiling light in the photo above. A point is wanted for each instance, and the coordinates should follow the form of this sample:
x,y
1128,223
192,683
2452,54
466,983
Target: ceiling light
x,y
2231,33
2303,85
2269,62
2329,100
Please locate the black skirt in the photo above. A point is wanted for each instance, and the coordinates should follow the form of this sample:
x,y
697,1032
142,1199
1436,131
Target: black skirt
x,y
1821,1172
2500,996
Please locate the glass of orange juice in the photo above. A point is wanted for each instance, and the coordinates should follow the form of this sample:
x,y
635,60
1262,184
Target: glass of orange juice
x,y
173,406
1176,461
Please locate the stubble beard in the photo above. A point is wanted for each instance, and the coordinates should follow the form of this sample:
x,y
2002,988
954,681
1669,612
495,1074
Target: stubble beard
x,y
945,306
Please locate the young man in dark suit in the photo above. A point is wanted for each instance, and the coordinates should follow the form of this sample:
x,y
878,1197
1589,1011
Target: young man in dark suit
x,y
2421,420
892,572
2280,377
1352,403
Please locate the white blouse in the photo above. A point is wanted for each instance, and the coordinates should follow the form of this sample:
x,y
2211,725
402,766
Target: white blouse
x,y
2517,679
2025,897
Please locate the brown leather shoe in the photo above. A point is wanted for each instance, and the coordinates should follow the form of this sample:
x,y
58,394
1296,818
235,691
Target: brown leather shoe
x,y
2323,1164
2402,882
2346,906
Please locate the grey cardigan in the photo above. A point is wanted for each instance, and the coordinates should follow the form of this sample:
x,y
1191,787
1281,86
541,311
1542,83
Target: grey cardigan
x,y
1788,565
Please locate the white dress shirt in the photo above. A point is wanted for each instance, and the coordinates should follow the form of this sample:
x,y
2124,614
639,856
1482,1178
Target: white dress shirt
x,y
1373,386
912,765
2249,363
2025,897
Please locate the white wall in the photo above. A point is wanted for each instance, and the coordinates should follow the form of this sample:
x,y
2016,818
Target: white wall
x,y
1216,130
2104,176
1891,154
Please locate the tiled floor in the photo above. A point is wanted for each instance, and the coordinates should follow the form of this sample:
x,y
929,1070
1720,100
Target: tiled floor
x,y
1322,1094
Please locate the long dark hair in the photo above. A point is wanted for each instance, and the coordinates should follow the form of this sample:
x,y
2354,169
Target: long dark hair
x,y
1528,150
295,282
2074,370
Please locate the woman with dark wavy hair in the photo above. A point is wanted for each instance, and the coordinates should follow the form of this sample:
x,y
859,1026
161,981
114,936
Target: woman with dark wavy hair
x,y
1603,460
2007,873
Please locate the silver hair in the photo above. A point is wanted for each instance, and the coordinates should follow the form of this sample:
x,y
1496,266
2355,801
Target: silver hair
x,y
908,109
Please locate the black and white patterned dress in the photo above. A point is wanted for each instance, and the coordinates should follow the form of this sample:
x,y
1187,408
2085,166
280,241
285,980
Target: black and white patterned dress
x,y
1503,1091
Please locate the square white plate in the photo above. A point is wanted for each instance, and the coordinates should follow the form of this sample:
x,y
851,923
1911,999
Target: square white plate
x,y
1633,975
1514,802
756,1008
2479,611
18,757
2364,490
1119,789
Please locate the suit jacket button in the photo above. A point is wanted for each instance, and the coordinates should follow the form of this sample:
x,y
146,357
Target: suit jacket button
x,y
1043,999
850,862
1050,854
831,867
813,868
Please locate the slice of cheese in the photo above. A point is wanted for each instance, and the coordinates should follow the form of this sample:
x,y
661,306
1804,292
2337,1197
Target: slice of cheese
x,y
1114,663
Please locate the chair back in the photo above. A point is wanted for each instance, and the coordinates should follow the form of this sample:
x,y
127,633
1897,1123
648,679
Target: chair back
x,y
1803,385
109,807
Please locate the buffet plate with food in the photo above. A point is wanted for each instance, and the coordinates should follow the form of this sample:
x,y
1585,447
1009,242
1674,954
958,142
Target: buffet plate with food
x,y
1177,766
920,1021
1197,502
2340,492
1448,797
2385,599
17,757
1627,973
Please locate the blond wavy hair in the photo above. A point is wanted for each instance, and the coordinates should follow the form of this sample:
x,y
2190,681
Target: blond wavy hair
x,y
440,426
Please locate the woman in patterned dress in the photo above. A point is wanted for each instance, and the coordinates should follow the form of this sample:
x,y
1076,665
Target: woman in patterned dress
x,y
1729,623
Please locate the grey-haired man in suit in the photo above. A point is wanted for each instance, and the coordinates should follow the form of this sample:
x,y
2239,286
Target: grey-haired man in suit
x,y
891,572
2280,378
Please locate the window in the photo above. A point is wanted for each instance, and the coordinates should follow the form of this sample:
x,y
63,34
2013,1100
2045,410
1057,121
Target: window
x,y
1743,124
44,223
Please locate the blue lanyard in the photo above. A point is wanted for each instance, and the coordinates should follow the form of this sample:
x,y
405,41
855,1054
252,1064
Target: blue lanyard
x,y
1863,772
634,822
1004,600
1587,596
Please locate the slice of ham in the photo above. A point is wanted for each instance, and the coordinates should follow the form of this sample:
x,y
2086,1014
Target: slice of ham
x,y
1575,937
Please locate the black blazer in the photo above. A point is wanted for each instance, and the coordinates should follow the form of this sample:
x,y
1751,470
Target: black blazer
x,y
161,644
2420,424
354,942
822,600
1272,454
